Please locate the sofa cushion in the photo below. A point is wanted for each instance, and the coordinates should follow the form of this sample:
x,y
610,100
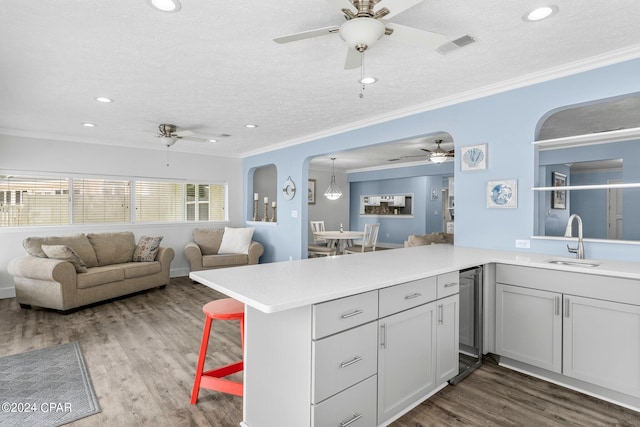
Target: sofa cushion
x,y
113,248
427,239
78,242
147,248
236,240
141,269
97,276
224,260
65,253
208,239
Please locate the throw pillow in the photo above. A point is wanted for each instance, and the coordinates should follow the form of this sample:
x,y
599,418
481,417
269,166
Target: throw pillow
x,y
65,253
236,240
147,249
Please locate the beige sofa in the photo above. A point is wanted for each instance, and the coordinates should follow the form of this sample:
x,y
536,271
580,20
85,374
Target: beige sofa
x,y
204,251
102,268
428,239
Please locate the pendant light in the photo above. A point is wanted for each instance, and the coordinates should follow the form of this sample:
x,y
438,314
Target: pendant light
x,y
333,192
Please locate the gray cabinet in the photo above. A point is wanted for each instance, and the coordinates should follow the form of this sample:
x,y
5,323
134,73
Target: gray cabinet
x,y
529,326
447,338
602,343
406,359
585,337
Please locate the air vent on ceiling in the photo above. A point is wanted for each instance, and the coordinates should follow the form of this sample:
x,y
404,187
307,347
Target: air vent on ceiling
x,y
456,44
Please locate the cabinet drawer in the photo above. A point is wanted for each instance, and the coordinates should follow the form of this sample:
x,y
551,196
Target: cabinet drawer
x,y
448,284
354,407
344,313
342,360
407,295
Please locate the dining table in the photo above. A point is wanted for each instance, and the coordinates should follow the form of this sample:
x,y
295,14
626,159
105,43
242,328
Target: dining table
x,y
339,239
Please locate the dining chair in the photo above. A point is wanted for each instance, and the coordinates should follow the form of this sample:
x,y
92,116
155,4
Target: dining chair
x,y
320,246
369,240
317,226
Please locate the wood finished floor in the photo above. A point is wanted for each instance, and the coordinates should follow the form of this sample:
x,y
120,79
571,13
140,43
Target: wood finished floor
x,y
141,352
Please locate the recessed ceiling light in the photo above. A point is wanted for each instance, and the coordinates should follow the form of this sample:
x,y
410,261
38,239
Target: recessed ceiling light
x,y
213,140
89,125
368,80
250,126
166,5
104,99
540,13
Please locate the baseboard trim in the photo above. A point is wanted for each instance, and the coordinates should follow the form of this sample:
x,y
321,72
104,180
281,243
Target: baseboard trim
x,y
7,293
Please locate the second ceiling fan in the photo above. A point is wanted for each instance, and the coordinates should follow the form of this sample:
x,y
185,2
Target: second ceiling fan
x,y
366,24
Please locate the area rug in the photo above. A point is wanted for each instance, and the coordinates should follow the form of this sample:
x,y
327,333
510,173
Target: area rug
x,y
47,387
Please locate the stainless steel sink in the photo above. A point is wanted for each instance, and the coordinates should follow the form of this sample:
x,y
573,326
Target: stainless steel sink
x,y
573,263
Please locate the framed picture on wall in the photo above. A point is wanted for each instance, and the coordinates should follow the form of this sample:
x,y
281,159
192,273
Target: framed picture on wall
x,y
474,157
311,193
502,193
559,197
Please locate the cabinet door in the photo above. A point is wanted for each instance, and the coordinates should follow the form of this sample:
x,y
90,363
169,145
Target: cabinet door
x,y
406,359
602,343
529,326
447,338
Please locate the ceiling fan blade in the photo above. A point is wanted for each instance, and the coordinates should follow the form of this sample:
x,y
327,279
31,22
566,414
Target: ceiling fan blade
x,y
397,6
195,139
428,151
353,59
307,34
182,133
415,37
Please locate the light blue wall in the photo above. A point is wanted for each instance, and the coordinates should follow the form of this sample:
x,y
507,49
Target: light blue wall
x,y
505,121
417,180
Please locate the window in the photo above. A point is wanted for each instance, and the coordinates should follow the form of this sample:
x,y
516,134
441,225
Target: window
x,y
100,201
28,201
33,201
205,202
159,201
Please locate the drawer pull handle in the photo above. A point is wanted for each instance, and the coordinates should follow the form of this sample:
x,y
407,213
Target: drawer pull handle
x,y
448,285
412,296
355,418
351,362
353,313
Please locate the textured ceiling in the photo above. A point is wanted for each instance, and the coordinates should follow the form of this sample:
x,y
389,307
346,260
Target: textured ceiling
x,y
213,67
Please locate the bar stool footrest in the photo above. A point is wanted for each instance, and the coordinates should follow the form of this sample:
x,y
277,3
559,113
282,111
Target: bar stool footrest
x,y
214,379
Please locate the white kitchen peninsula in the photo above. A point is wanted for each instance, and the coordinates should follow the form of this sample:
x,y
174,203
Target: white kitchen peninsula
x,y
292,331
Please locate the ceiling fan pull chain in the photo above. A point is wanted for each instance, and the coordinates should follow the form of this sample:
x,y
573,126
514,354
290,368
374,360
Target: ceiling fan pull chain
x,y
362,75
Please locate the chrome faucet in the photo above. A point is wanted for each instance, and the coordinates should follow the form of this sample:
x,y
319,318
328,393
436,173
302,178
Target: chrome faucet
x,y
579,250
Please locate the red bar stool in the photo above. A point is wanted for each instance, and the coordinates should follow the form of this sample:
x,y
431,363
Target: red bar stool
x,y
222,309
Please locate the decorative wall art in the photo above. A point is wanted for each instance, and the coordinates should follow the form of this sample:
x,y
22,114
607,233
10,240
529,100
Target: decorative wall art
x,y
289,189
559,197
311,193
474,157
502,193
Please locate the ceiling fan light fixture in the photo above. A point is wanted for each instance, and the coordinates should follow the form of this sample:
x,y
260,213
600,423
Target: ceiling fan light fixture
x,y
438,157
166,5
368,80
361,33
333,192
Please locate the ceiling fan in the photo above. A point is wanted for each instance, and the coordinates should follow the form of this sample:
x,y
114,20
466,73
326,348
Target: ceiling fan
x,y
169,134
365,26
435,156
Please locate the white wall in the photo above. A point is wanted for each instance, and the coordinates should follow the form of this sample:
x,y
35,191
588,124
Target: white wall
x,y
21,155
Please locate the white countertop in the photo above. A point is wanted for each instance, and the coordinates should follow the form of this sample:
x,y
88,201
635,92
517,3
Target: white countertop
x,y
286,285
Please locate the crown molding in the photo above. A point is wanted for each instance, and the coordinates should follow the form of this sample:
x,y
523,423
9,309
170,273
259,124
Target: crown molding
x,y
576,67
